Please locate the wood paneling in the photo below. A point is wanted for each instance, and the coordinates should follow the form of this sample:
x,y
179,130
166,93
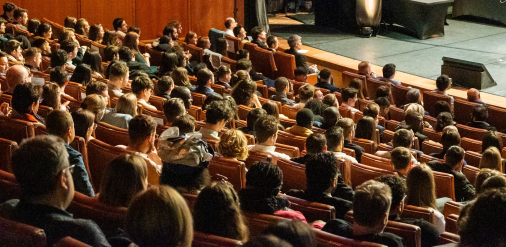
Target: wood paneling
x,y
104,12
54,10
208,14
152,20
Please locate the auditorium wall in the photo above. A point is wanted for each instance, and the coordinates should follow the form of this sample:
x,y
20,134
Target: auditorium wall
x,y
150,15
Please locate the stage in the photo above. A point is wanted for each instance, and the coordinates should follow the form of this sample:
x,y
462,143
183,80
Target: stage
x,y
464,39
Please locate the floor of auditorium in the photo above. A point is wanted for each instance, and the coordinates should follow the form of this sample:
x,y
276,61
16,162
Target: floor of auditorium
x,y
464,39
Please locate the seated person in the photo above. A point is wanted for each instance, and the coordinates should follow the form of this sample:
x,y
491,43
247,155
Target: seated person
x,y
126,55
258,36
8,14
414,96
372,110
61,124
306,93
14,51
33,58
349,96
172,109
366,129
348,127
330,117
183,93
454,160
98,87
230,24
443,119
72,49
111,53
443,83
430,234
402,138
303,125
300,74
330,100
317,107
44,174
266,133
217,115
473,95
272,43
185,124
143,87
283,87
414,121
389,74
126,109
118,78
295,43
315,143
384,105
401,160
371,205
233,145
165,86
224,75
205,79
142,134
59,76
323,186
364,68
252,117
450,137
25,103
20,18
479,117
335,144
325,79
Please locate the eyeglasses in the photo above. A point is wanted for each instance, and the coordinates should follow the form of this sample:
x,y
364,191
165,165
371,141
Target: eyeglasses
x,y
71,168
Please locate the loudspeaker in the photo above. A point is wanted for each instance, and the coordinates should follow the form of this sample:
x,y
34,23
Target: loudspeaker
x,y
467,74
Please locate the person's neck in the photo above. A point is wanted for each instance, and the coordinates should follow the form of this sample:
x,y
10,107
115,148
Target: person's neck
x,y
116,83
214,127
31,64
359,230
143,148
141,96
267,143
402,172
51,200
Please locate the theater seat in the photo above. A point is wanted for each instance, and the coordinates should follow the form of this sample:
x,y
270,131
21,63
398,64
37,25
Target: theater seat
x,y
287,123
396,114
344,111
452,223
471,172
415,212
361,173
325,239
70,242
294,175
219,89
373,85
195,111
463,106
430,99
243,111
198,99
254,157
368,145
445,186
9,187
392,125
292,152
208,240
73,90
234,170
452,207
399,94
264,100
312,210
15,129
385,147
387,136
289,112
291,140
425,158
262,60
470,132
112,135
190,199
158,116
470,144
429,147
448,238
157,102
263,90
197,52
349,76
432,134
13,233
7,148
376,161
44,110
473,158
257,223
496,116
5,98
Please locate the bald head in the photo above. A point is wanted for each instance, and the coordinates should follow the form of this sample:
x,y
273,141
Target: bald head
x,y
16,75
473,95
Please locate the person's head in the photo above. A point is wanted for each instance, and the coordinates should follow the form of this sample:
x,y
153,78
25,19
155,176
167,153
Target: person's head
x,y
384,105
96,33
334,138
70,46
233,144
321,173
491,139
183,93
43,45
316,106
271,108
414,121
111,53
58,58
325,75
44,30
443,119
300,74
142,87
125,54
443,83
222,46
118,74
243,92
124,177
480,112
349,96
84,122
473,95
94,60
244,64
398,187
13,48
441,106
265,178
330,100
455,157
402,138
191,38
205,78
59,76
21,16
180,77
120,25
131,41
69,22
401,160
495,182
159,216
4,63
366,129
272,42
258,33
165,85
383,91
224,74
9,8
389,71
450,138
33,57
364,68
141,131
204,42
316,143
306,92
266,129
82,27
295,42
218,113
253,116
371,110
67,34
51,95
230,23
127,104
491,158
111,38
96,104
483,175
330,117
239,31
134,29
483,223
61,124
82,74
43,172
25,98
295,232
348,127
413,96
16,75
185,123
304,118
173,108
371,204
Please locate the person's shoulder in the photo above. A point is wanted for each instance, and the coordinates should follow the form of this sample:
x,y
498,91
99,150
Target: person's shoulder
x,y
338,227
89,232
390,239
72,152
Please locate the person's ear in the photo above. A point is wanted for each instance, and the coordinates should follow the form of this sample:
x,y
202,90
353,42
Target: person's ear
x,y
63,179
69,132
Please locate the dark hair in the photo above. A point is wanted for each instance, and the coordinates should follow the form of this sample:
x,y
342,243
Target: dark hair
x,y
125,54
221,46
298,71
366,128
265,127
69,22
295,232
110,51
51,96
68,45
413,96
371,201
306,91
79,27
237,29
398,187
183,93
173,108
185,124
280,84
383,91
141,83
359,85
256,31
8,7
39,42
58,58
402,138
141,127
271,40
58,122
134,29
382,102
316,106
18,12
96,87
117,23
315,143
243,92
443,119
94,60
211,98
442,82
271,108
371,110
24,96
330,117
491,139
450,138
11,45
441,106
82,74
389,70
334,137
203,76
414,121
401,157
188,36
321,169
304,118
254,115
58,75
483,175
83,120
164,84
494,182
348,93
243,64
480,112
454,155
325,74
169,63
94,32
217,111
42,29
110,38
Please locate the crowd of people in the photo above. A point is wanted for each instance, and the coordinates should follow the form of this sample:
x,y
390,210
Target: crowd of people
x,y
160,170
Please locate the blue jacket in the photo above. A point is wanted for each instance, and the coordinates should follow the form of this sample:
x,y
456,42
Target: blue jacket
x,y
80,175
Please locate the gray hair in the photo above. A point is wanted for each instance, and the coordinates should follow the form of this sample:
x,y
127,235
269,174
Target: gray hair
x,y
293,40
413,95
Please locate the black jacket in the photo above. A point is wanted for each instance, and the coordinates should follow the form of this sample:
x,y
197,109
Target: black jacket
x,y
464,190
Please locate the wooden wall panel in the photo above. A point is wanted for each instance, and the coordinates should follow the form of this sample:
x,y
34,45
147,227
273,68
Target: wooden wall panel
x,y
104,12
54,10
152,20
208,14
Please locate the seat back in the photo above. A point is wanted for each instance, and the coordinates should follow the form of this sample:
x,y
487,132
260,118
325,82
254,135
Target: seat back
x,y
234,170
263,90
243,111
312,210
14,233
430,99
99,156
292,152
471,172
100,48
83,41
289,112
392,125
376,161
109,218
254,157
373,85
415,212
157,102
208,240
448,238
344,111
10,188
219,89
444,185
349,76
234,44
257,223
368,145
452,223
198,99
425,158
195,111
285,63
287,123
396,114
452,207
464,109
432,134
325,239
197,52
291,140
399,94
387,136
470,144
431,147
473,158
112,135
156,56
263,61
70,242
470,132
361,173
15,129
496,116
7,148
294,175
73,90
157,115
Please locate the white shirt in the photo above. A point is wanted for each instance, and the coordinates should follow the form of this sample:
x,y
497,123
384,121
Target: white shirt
x,y
270,150
353,109
438,220
388,155
341,155
209,134
230,32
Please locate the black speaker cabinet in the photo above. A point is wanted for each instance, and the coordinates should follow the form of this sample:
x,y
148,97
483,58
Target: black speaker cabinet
x,y
467,74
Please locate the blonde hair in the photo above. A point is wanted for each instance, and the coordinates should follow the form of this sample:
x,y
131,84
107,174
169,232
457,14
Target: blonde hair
x,y
180,77
96,104
159,217
492,159
127,104
421,188
415,108
130,41
233,144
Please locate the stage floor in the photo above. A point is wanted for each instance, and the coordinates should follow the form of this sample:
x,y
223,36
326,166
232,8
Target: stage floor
x,y
464,40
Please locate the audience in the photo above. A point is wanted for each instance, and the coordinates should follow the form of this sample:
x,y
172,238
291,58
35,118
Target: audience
x,y
402,138
94,60
205,79
449,138
330,117
20,17
317,107
185,124
73,52
121,27
473,95
482,176
180,77
335,144
283,87
143,88
96,33
14,51
364,68
366,129
348,127
272,43
491,158
266,134
359,85
217,116
82,74
96,104
84,123
172,109
295,43
98,87
401,161
224,75
244,93
389,74
479,117
349,96
372,110
443,83
25,103
443,119
315,143
252,117
8,14
118,78
44,174
233,145
330,100
304,123
126,109
16,75
491,139
414,122
51,97
384,105
325,81
33,58
258,36
183,93
126,55
164,87
300,74
297,233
